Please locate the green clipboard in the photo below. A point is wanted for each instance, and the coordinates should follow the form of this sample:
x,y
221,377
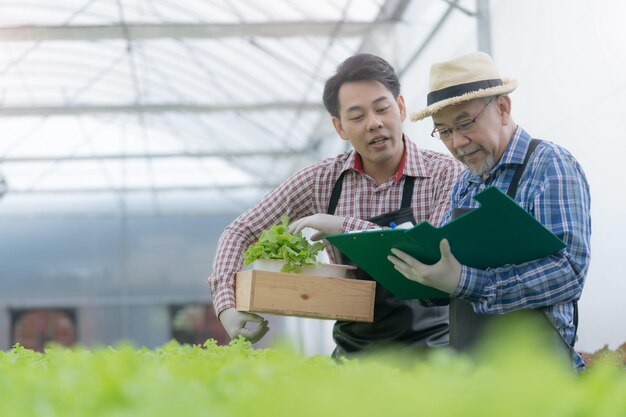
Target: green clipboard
x,y
497,233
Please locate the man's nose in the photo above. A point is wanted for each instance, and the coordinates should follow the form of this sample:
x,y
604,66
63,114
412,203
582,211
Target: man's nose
x,y
374,122
458,139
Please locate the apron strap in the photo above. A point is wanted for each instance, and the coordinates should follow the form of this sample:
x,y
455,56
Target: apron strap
x,y
336,193
407,193
520,169
513,190
575,323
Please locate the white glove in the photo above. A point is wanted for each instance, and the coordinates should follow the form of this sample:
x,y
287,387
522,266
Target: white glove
x,y
445,275
235,321
325,224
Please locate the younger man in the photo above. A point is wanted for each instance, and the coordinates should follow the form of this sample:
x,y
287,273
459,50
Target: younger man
x,y
385,178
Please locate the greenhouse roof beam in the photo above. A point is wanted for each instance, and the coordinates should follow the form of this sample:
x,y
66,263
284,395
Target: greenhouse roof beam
x,y
145,31
457,6
156,108
431,35
214,154
143,189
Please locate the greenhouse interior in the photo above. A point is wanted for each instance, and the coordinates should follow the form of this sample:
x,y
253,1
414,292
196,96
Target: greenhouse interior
x,y
135,131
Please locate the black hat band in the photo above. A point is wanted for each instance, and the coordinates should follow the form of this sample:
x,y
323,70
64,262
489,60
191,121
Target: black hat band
x,y
459,90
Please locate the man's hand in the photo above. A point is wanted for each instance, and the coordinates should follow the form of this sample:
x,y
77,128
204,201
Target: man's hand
x,y
444,275
325,224
235,324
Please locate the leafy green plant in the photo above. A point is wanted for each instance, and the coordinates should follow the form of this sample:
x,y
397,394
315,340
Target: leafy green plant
x,y
278,243
516,377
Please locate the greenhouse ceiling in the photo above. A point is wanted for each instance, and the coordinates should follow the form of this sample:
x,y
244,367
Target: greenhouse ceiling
x,y
162,106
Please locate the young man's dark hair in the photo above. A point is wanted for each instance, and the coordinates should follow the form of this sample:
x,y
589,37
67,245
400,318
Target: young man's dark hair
x,y
358,68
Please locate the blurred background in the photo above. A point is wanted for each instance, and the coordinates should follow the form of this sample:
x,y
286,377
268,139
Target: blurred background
x,y
133,131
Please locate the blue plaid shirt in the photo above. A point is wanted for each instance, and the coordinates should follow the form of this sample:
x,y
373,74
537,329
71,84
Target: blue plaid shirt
x,y
554,189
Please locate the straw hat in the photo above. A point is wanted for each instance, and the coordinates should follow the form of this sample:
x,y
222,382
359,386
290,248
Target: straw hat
x,y
464,78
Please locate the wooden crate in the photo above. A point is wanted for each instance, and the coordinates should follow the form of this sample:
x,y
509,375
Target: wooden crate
x,y
305,295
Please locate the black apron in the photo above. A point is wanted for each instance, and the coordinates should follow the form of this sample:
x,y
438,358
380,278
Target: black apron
x,y
396,322
467,327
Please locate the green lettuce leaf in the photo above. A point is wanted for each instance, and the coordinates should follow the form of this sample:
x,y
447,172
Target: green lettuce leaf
x,y
278,243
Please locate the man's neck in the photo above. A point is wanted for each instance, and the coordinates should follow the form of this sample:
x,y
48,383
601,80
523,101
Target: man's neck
x,y
382,172
380,176
509,131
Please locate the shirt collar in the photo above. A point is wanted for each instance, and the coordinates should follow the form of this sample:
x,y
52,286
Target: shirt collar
x,y
411,163
415,165
515,151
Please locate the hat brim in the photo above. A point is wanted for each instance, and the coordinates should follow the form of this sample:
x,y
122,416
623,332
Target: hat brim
x,y
508,85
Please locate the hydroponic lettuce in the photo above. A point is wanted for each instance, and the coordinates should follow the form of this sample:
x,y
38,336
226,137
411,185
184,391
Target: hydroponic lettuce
x,y
514,378
278,243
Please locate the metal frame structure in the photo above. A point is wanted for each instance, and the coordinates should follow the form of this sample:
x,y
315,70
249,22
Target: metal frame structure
x,y
172,83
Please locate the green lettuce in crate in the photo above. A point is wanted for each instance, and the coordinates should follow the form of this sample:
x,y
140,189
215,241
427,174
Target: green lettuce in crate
x,y
278,243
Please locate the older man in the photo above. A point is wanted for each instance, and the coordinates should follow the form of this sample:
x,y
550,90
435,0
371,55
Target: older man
x,y
471,111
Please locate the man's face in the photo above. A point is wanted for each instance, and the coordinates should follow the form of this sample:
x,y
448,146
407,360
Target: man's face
x,y
371,119
482,145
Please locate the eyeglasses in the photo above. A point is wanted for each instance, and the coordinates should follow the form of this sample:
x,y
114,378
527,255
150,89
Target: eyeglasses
x,y
464,126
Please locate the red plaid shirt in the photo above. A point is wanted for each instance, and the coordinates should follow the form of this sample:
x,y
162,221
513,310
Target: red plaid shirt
x,y
308,192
